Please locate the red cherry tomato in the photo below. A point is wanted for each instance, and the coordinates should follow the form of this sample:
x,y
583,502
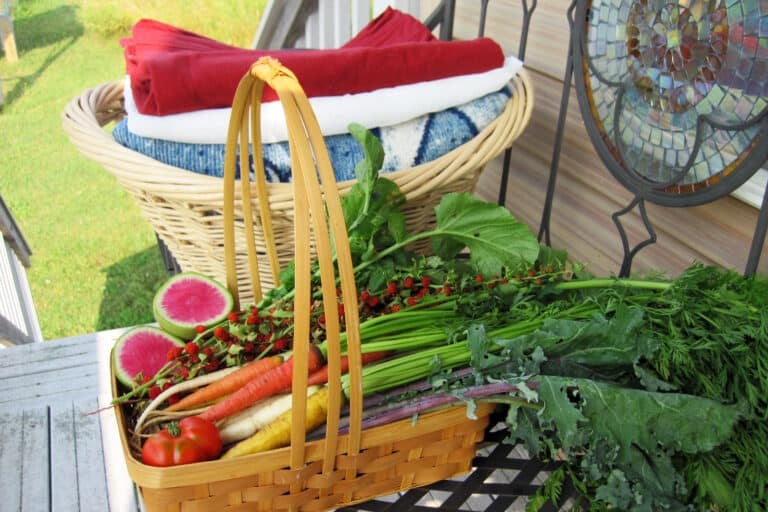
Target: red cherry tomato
x,y
193,439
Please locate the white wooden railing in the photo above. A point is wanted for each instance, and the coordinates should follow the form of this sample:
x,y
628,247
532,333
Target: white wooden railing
x,y
18,317
320,23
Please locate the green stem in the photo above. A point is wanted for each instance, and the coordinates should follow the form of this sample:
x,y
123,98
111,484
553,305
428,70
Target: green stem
x,y
509,400
143,388
396,247
405,342
610,282
417,365
396,323
411,367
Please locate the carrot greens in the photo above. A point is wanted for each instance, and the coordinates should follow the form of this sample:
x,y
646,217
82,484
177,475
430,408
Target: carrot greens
x,y
655,392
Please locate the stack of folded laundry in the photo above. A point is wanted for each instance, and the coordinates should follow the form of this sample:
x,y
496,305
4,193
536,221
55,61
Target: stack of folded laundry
x,y
421,96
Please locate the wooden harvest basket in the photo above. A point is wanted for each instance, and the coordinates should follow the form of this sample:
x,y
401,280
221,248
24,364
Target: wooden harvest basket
x,y
185,208
338,470
390,458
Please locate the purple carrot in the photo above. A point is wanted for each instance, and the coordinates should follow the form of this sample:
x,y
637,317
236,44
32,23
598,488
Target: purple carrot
x,y
414,387
425,385
397,411
393,411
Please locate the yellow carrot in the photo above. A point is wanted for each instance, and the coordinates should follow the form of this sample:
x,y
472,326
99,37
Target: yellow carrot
x,y
278,433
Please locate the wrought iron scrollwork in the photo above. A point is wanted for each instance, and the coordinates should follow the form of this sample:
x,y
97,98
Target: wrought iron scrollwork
x,y
629,253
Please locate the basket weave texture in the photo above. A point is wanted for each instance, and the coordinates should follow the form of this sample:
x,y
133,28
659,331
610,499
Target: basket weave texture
x,y
185,208
338,470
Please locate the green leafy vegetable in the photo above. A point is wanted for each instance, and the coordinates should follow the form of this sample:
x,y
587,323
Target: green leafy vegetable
x,y
494,238
372,206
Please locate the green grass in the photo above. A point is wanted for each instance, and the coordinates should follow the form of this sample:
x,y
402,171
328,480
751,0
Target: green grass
x,y
95,263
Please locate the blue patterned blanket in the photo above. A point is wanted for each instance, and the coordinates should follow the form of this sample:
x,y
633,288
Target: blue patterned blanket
x,y
408,144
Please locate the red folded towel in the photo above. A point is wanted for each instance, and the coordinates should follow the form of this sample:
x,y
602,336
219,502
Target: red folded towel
x,y
173,70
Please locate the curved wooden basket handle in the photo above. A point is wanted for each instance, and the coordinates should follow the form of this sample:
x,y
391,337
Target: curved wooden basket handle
x,y
318,217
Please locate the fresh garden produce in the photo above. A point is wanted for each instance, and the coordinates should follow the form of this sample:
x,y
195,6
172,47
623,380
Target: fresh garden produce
x,y
190,299
190,440
275,380
278,433
141,352
650,391
149,413
228,384
260,415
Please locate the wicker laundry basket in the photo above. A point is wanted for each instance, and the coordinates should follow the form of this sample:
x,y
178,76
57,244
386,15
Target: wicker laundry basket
x,y
185,208
340,469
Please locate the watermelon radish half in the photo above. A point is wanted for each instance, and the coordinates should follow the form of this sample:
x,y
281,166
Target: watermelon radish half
x,y
189,299
142,350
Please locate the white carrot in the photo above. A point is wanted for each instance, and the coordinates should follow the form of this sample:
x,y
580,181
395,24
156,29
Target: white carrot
x,y
247,422
186,385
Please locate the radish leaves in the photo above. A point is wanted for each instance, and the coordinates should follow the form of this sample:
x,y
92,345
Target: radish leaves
x,y
378,235
495,239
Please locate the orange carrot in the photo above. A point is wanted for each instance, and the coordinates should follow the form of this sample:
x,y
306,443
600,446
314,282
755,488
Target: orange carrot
x,y
227,384
276,380
321,375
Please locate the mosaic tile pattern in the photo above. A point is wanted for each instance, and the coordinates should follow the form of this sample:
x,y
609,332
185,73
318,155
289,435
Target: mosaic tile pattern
x,y
656,68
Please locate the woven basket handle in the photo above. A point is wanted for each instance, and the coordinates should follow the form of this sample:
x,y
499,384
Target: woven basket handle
x,y
318,217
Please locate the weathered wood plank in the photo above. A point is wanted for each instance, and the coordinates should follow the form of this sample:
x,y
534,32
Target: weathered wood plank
x,y
57,369
65,369
35,448
48,387
50,356
63,463
43,370
10,458
45,355
122,492
77,459
55,454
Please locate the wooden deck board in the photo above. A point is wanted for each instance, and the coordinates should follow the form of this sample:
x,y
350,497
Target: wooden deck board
x,y
91,471
35,446
42,357
64,458
57,359
74,383
77,461
10,450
